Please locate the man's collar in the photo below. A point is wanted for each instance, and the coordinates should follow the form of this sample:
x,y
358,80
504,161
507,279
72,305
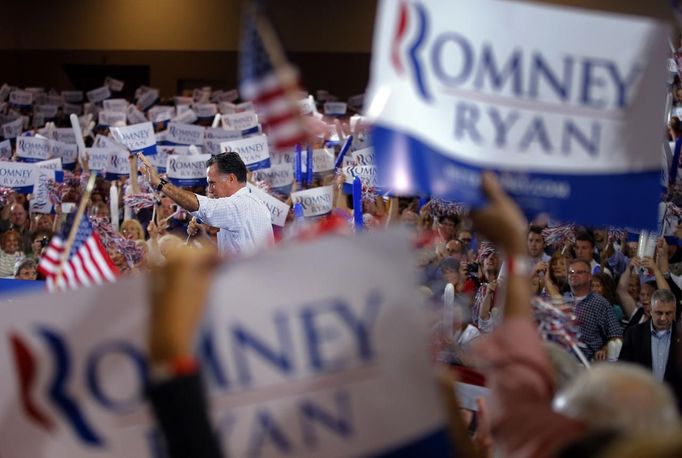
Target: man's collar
x,y
656,332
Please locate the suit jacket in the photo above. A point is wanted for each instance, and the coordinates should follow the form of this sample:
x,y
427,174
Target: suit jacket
x,y
637,349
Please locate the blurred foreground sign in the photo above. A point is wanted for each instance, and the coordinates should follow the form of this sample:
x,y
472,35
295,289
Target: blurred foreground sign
x,y
313,367
572,123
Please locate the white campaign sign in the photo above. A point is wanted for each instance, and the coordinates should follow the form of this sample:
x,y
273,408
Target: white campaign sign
x,y
278,209
112,118
459,87
99,94
331,370
316,201
278,175
98,158
323,160
40,199
245,121
216,135
187,170
33,149
117,165
120,105
5,150
12,129
253,151
185,134
363,156
18,175
137,138
335,108
21,98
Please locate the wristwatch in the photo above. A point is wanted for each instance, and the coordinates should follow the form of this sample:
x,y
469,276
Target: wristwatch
x,y
161,184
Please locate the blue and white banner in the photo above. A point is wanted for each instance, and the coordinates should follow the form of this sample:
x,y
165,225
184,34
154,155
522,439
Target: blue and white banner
x,y
40,198
245,122
117,165
185,134
326,370
315,201
253,151
12,129
160,159
108,118
19,176
187,170
68,153
364,156
205,110
98,158
47,111
278,175
34,149
185,116
214,136
99,94
278,209
160,113
120,105
458,87
65,135
72,96
323,160
134,115
139,138
367,174
147,99
21,99
335,108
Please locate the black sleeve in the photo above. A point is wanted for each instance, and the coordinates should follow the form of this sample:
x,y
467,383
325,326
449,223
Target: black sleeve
x,y
627,351
678,295
180,409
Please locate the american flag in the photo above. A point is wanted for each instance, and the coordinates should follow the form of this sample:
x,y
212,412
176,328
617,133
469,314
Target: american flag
x,y
271,86
88,262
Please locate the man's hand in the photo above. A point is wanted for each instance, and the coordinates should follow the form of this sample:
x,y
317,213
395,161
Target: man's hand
x,y
193,227
149,171
501,221
601,355
178,294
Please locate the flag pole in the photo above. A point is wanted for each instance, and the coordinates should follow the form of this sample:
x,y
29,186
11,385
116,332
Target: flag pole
x,y
76,222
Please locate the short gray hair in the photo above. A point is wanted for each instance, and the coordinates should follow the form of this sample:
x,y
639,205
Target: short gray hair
x,y
620,397
662,295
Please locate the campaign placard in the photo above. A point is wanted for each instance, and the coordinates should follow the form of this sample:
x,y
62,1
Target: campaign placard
x,y
246,122
120,105
21,99
72,96
184,134
335,108
114,84
19,176
139,138
278,209
278,175
187,170
323,160
147,98
108,118
13,129
324,370
213,136
5,150
99,94
117,165
364,156
316,201
98,158
205,110
40,198
253,151
367,174
562,117
34,149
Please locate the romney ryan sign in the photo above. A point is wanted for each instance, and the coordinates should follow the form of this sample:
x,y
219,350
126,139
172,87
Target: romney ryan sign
x,y
461,87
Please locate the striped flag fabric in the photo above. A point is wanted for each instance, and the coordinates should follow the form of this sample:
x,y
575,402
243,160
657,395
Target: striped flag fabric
x,y
270,85
88,263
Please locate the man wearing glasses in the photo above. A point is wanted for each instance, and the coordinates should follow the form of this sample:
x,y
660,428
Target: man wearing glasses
x,y
597,322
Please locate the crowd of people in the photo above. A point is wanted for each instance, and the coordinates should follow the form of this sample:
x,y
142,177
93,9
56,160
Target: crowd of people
x,y
615,301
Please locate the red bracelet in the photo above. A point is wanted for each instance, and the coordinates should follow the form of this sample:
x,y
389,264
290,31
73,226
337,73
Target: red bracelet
x,y
178,367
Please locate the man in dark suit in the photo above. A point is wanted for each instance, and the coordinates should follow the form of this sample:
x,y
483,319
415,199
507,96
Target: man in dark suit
x,y
655,344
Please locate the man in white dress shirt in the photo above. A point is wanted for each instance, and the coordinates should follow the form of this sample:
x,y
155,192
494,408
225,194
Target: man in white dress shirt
x,y
244,221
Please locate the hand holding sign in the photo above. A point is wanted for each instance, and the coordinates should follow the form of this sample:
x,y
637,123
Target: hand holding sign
x,y
149,171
